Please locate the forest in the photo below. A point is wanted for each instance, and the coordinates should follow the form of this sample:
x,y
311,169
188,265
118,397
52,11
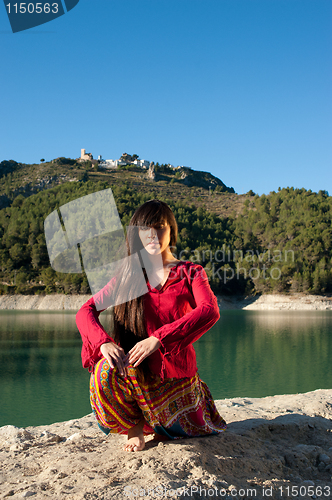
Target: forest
x,y
280,242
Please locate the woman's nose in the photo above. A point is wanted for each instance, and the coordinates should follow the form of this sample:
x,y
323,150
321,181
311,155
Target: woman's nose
x,y
152,232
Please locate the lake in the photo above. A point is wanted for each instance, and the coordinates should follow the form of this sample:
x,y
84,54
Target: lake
x,y
247,353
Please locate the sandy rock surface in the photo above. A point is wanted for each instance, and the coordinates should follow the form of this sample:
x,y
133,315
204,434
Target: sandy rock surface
x,y
271,445
56,302
277,302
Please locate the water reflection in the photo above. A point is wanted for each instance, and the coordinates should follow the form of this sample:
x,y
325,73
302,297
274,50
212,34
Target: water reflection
x,y
275,321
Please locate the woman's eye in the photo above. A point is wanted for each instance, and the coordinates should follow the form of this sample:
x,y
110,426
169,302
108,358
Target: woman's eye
x,y
156,226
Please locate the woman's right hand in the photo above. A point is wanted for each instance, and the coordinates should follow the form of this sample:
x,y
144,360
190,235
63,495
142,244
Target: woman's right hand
x,y
114,355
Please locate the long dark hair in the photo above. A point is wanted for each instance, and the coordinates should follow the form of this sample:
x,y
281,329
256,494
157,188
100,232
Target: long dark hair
x,y
129,321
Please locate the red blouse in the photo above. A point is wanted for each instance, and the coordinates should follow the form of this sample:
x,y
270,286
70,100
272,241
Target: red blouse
x,y
177,314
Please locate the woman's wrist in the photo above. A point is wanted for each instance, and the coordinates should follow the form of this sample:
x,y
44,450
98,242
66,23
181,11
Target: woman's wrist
x,y
158,343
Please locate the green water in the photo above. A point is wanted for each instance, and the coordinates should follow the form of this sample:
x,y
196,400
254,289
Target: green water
x,y
263,353
247,353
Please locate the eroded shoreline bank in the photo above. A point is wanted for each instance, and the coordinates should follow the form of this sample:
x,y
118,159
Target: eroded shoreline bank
x,y
57,302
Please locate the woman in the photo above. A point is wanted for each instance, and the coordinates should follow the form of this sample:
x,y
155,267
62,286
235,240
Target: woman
x,y
145,377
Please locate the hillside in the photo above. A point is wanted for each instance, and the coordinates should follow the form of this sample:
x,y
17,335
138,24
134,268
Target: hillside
x,y
248,244
193,187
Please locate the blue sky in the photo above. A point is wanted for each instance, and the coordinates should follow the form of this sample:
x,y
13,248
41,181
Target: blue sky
x,y
239,88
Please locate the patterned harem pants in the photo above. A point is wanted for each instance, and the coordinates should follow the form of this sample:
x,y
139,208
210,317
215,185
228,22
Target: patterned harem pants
x,y
174,408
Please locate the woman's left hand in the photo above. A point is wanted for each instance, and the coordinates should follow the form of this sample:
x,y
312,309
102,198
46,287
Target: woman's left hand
x,y
140,351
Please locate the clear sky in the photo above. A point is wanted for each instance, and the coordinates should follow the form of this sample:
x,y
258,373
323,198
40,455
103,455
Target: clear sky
x,y
240,88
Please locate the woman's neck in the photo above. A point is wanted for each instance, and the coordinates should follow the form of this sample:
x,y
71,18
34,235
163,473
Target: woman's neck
x,y
168,258
158,267
160,261
159,275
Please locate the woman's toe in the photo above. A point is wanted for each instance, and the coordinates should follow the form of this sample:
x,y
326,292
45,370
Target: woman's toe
x,y
130,447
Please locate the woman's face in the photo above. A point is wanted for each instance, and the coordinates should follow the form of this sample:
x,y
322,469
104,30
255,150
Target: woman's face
x,y
156,238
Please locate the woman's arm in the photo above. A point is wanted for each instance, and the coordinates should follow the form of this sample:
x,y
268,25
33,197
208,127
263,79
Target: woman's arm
x,y
92,332
179,334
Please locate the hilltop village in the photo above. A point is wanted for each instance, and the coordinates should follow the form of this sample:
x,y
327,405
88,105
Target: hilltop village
x,y
125,159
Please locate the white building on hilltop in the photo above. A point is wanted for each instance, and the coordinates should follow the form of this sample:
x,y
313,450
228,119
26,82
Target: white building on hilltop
x,y
117,163
111,163
142,163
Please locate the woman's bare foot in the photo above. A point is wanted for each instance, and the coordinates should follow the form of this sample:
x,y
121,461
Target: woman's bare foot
x,y
136,441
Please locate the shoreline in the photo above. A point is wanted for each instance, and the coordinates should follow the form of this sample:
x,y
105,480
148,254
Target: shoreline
x,y
268,302
271,444
277,302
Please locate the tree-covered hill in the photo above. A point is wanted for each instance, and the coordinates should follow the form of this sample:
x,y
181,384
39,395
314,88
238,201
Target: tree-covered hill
x,y
291,231
280,242
8,167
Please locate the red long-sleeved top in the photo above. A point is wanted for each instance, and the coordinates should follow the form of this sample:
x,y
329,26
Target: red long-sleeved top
x,y
177,315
